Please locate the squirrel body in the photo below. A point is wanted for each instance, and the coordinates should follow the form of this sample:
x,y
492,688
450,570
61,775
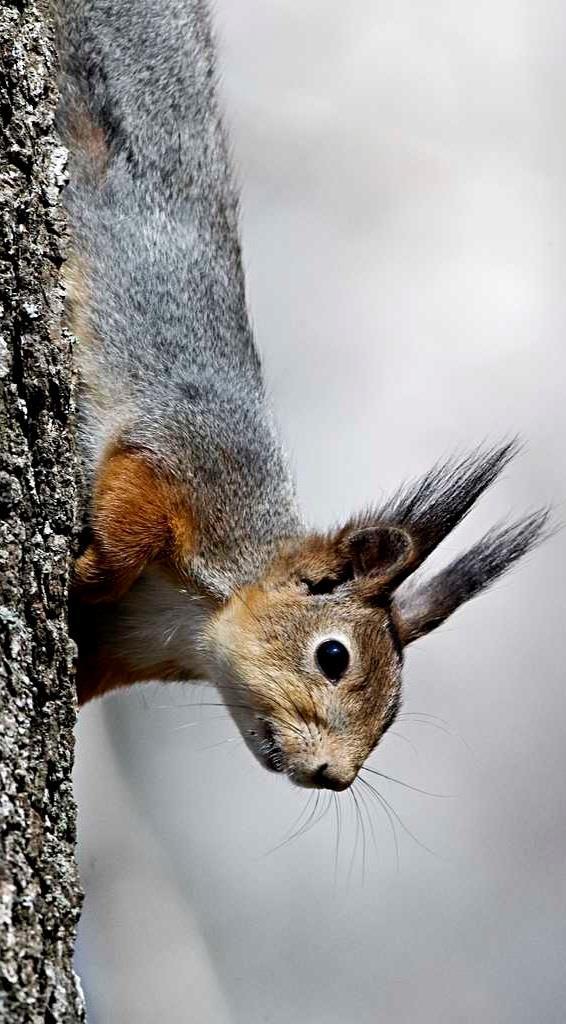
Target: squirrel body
x,y
172,398
197,562
167,359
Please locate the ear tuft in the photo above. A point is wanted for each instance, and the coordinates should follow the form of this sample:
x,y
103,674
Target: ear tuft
x,y
431,507
422,607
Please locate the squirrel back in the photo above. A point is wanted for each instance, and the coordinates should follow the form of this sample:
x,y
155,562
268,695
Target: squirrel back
x,y
167,361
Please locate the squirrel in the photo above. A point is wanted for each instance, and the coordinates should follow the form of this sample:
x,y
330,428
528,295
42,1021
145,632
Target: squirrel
x,y
197,562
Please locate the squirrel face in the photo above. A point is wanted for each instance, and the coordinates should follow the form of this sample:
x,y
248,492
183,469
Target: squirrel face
x,y
312,680
308,659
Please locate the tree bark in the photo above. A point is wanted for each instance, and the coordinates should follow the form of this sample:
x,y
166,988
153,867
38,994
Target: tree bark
x,y
39,892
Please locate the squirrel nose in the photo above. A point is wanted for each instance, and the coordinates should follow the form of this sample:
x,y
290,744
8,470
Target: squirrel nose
x,y
328,777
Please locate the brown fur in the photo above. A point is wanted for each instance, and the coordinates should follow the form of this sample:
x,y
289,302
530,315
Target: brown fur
x,y
266,636
139,515
375,555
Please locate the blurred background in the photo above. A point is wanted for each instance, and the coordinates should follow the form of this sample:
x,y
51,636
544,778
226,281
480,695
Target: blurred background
x,y
403,167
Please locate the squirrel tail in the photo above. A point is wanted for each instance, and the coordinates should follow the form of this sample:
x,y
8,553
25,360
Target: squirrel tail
x,y
138,97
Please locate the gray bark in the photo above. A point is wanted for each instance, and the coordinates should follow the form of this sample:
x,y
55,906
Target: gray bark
x,y
40,895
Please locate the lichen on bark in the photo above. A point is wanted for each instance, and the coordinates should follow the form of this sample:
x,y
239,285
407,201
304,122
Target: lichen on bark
x,y
39,890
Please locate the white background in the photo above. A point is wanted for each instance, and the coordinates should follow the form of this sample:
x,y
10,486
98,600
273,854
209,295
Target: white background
x,y
404,227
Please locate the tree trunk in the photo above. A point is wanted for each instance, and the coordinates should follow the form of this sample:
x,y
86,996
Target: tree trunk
x,y
40,895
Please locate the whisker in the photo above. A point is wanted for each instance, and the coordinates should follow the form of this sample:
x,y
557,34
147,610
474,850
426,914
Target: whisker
x,y
424,714
397,817
315,820
359,815
201,722
338,815
375,794
356,838
400,736
231,705
284,707
419,718
311,820
246,606
416,720
369,818
211,746
295,828
407,785
222,704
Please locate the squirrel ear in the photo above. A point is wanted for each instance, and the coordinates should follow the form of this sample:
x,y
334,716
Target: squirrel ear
x,y
380,555
373,557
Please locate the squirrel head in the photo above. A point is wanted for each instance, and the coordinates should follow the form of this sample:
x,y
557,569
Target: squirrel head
x,y
308,658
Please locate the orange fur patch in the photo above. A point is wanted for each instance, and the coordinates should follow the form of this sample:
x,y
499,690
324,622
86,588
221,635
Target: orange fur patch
x,y
139,516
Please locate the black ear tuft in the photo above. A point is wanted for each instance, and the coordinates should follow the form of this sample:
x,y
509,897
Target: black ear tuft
x,y
430,508
420,608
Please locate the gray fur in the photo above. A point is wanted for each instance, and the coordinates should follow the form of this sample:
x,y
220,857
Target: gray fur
x,y
175,371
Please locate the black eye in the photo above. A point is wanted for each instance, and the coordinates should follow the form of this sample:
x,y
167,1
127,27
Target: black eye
x,y
333,659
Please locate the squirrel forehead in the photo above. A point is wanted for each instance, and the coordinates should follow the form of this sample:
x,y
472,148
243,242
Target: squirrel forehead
x,y
291,615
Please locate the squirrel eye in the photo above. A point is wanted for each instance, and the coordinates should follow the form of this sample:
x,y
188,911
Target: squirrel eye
x,y
333,659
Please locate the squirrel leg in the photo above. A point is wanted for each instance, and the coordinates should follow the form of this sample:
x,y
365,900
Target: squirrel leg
x,y
139,516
